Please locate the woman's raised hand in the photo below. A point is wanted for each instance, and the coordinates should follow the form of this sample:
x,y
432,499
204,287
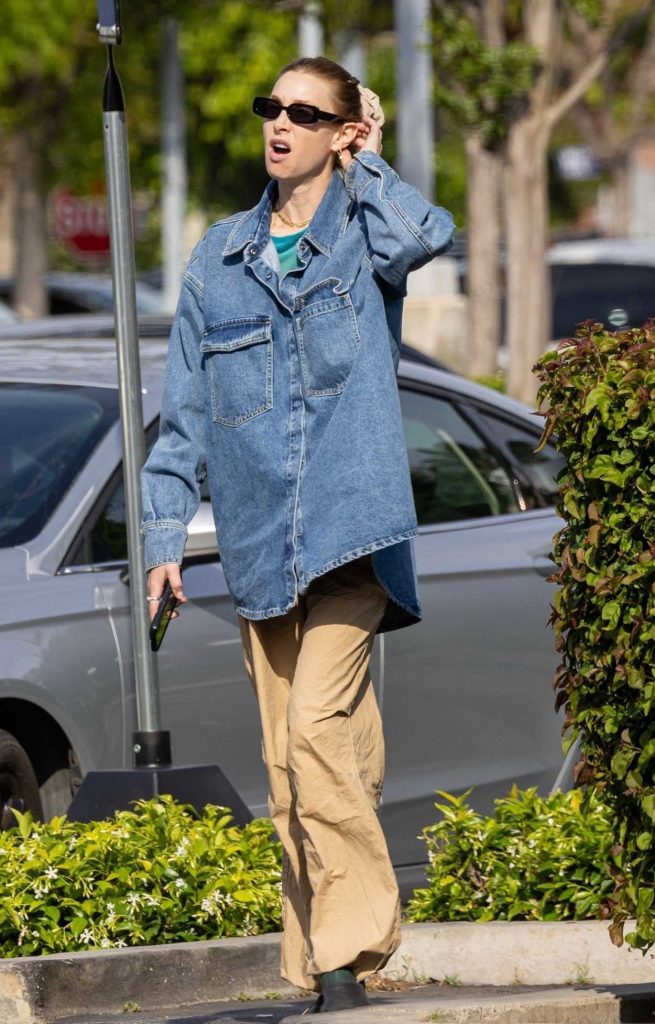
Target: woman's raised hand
x,y
369,136
157,578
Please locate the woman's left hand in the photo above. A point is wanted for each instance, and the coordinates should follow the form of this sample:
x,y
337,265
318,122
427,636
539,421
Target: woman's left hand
x,y
369,136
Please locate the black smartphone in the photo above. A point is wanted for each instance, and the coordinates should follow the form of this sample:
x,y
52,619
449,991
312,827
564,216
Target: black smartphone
x,y
159,624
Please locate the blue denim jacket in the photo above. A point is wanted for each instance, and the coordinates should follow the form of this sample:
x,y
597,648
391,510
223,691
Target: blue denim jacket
x,y
283,391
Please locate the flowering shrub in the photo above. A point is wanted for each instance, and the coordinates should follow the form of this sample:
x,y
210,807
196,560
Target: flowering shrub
x,y
537,858
158,874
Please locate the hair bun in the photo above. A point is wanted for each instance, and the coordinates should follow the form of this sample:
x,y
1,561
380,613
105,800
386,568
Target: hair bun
x,y
371,106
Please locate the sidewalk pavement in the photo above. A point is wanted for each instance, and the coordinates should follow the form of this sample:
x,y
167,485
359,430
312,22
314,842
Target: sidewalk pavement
x,y
427,1003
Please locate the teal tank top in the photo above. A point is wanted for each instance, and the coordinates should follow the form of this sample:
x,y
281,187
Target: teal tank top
x,y
287,251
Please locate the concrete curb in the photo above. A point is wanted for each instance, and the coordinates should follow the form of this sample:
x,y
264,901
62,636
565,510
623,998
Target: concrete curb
x,y
34,990
518,953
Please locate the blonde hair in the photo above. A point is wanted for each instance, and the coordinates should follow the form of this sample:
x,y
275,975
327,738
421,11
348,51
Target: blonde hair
x,y
344,85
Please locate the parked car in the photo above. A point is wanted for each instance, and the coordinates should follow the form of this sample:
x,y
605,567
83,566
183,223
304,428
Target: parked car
x,y
87,293
611,280
465,695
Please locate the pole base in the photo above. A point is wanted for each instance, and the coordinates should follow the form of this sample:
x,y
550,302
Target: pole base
x,y
104,792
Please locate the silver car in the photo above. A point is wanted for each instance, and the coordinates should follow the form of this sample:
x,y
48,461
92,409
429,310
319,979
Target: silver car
x,y
465,695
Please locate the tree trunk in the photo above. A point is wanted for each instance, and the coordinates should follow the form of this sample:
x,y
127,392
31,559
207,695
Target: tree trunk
x,y
30,261
483,214
528,281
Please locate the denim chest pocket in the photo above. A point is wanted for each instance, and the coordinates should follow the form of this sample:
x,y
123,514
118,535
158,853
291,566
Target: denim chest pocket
x,y
328,339
238,358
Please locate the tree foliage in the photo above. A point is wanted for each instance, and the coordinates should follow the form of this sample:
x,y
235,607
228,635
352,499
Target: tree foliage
x,y
483,86
51,76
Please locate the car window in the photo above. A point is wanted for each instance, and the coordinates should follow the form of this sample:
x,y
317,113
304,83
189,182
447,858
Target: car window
x,y
47,434
538,471
107,540
455,474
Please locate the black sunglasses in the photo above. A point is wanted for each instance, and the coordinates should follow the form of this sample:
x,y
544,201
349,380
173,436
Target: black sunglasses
x,y
299,113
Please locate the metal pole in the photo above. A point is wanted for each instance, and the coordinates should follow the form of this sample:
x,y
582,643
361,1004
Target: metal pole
x,y
415,160
104,792
129,384
310,30
352,54
174,162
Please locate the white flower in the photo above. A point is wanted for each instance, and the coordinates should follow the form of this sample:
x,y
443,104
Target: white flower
x,y
181,850
151,900
179,883
105,944
133,899
120,943
86,936
207,906
51,872
111,908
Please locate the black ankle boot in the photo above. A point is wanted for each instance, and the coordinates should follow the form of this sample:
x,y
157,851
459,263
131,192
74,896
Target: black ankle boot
x,y
341,991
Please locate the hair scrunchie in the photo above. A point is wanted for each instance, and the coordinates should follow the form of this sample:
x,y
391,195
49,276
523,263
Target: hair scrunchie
x,y
371,106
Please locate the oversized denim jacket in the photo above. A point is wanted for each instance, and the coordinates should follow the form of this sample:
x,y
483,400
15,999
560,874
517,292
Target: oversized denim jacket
x,y
283,391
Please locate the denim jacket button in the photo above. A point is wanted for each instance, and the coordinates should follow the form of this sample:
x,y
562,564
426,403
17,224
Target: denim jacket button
x,y
253,250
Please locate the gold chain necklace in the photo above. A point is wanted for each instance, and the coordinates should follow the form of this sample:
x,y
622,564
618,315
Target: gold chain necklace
x,y
289,223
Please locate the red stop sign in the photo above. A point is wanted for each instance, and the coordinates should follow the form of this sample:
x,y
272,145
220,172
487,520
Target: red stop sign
x,y
81,223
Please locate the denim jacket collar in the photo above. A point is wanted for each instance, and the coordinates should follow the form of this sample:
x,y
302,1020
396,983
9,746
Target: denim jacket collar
x,y
327,225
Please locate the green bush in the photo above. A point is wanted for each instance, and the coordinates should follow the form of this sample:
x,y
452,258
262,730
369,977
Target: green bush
x,y
536,858
158,874
600,391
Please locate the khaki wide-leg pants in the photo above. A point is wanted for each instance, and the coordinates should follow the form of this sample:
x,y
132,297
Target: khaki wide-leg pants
x,y
324,750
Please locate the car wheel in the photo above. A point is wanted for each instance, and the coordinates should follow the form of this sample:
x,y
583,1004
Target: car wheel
x,y
18,785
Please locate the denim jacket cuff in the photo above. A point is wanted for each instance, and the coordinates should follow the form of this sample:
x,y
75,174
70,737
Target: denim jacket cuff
x,y
163,542
366,166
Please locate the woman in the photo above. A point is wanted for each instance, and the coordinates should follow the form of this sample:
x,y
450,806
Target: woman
x,y
281,387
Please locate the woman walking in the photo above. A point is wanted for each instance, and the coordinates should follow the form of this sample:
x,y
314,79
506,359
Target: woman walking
x,y
281,388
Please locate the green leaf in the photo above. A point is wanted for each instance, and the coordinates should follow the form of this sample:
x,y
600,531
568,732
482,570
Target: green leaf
x,y
648,806
244,895
610,614
605,467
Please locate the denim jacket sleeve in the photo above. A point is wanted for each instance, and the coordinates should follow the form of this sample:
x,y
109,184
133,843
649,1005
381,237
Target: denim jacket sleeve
x,y
404,229
177,463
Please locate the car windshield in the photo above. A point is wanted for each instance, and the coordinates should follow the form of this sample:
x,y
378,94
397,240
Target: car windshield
x,y
47,433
